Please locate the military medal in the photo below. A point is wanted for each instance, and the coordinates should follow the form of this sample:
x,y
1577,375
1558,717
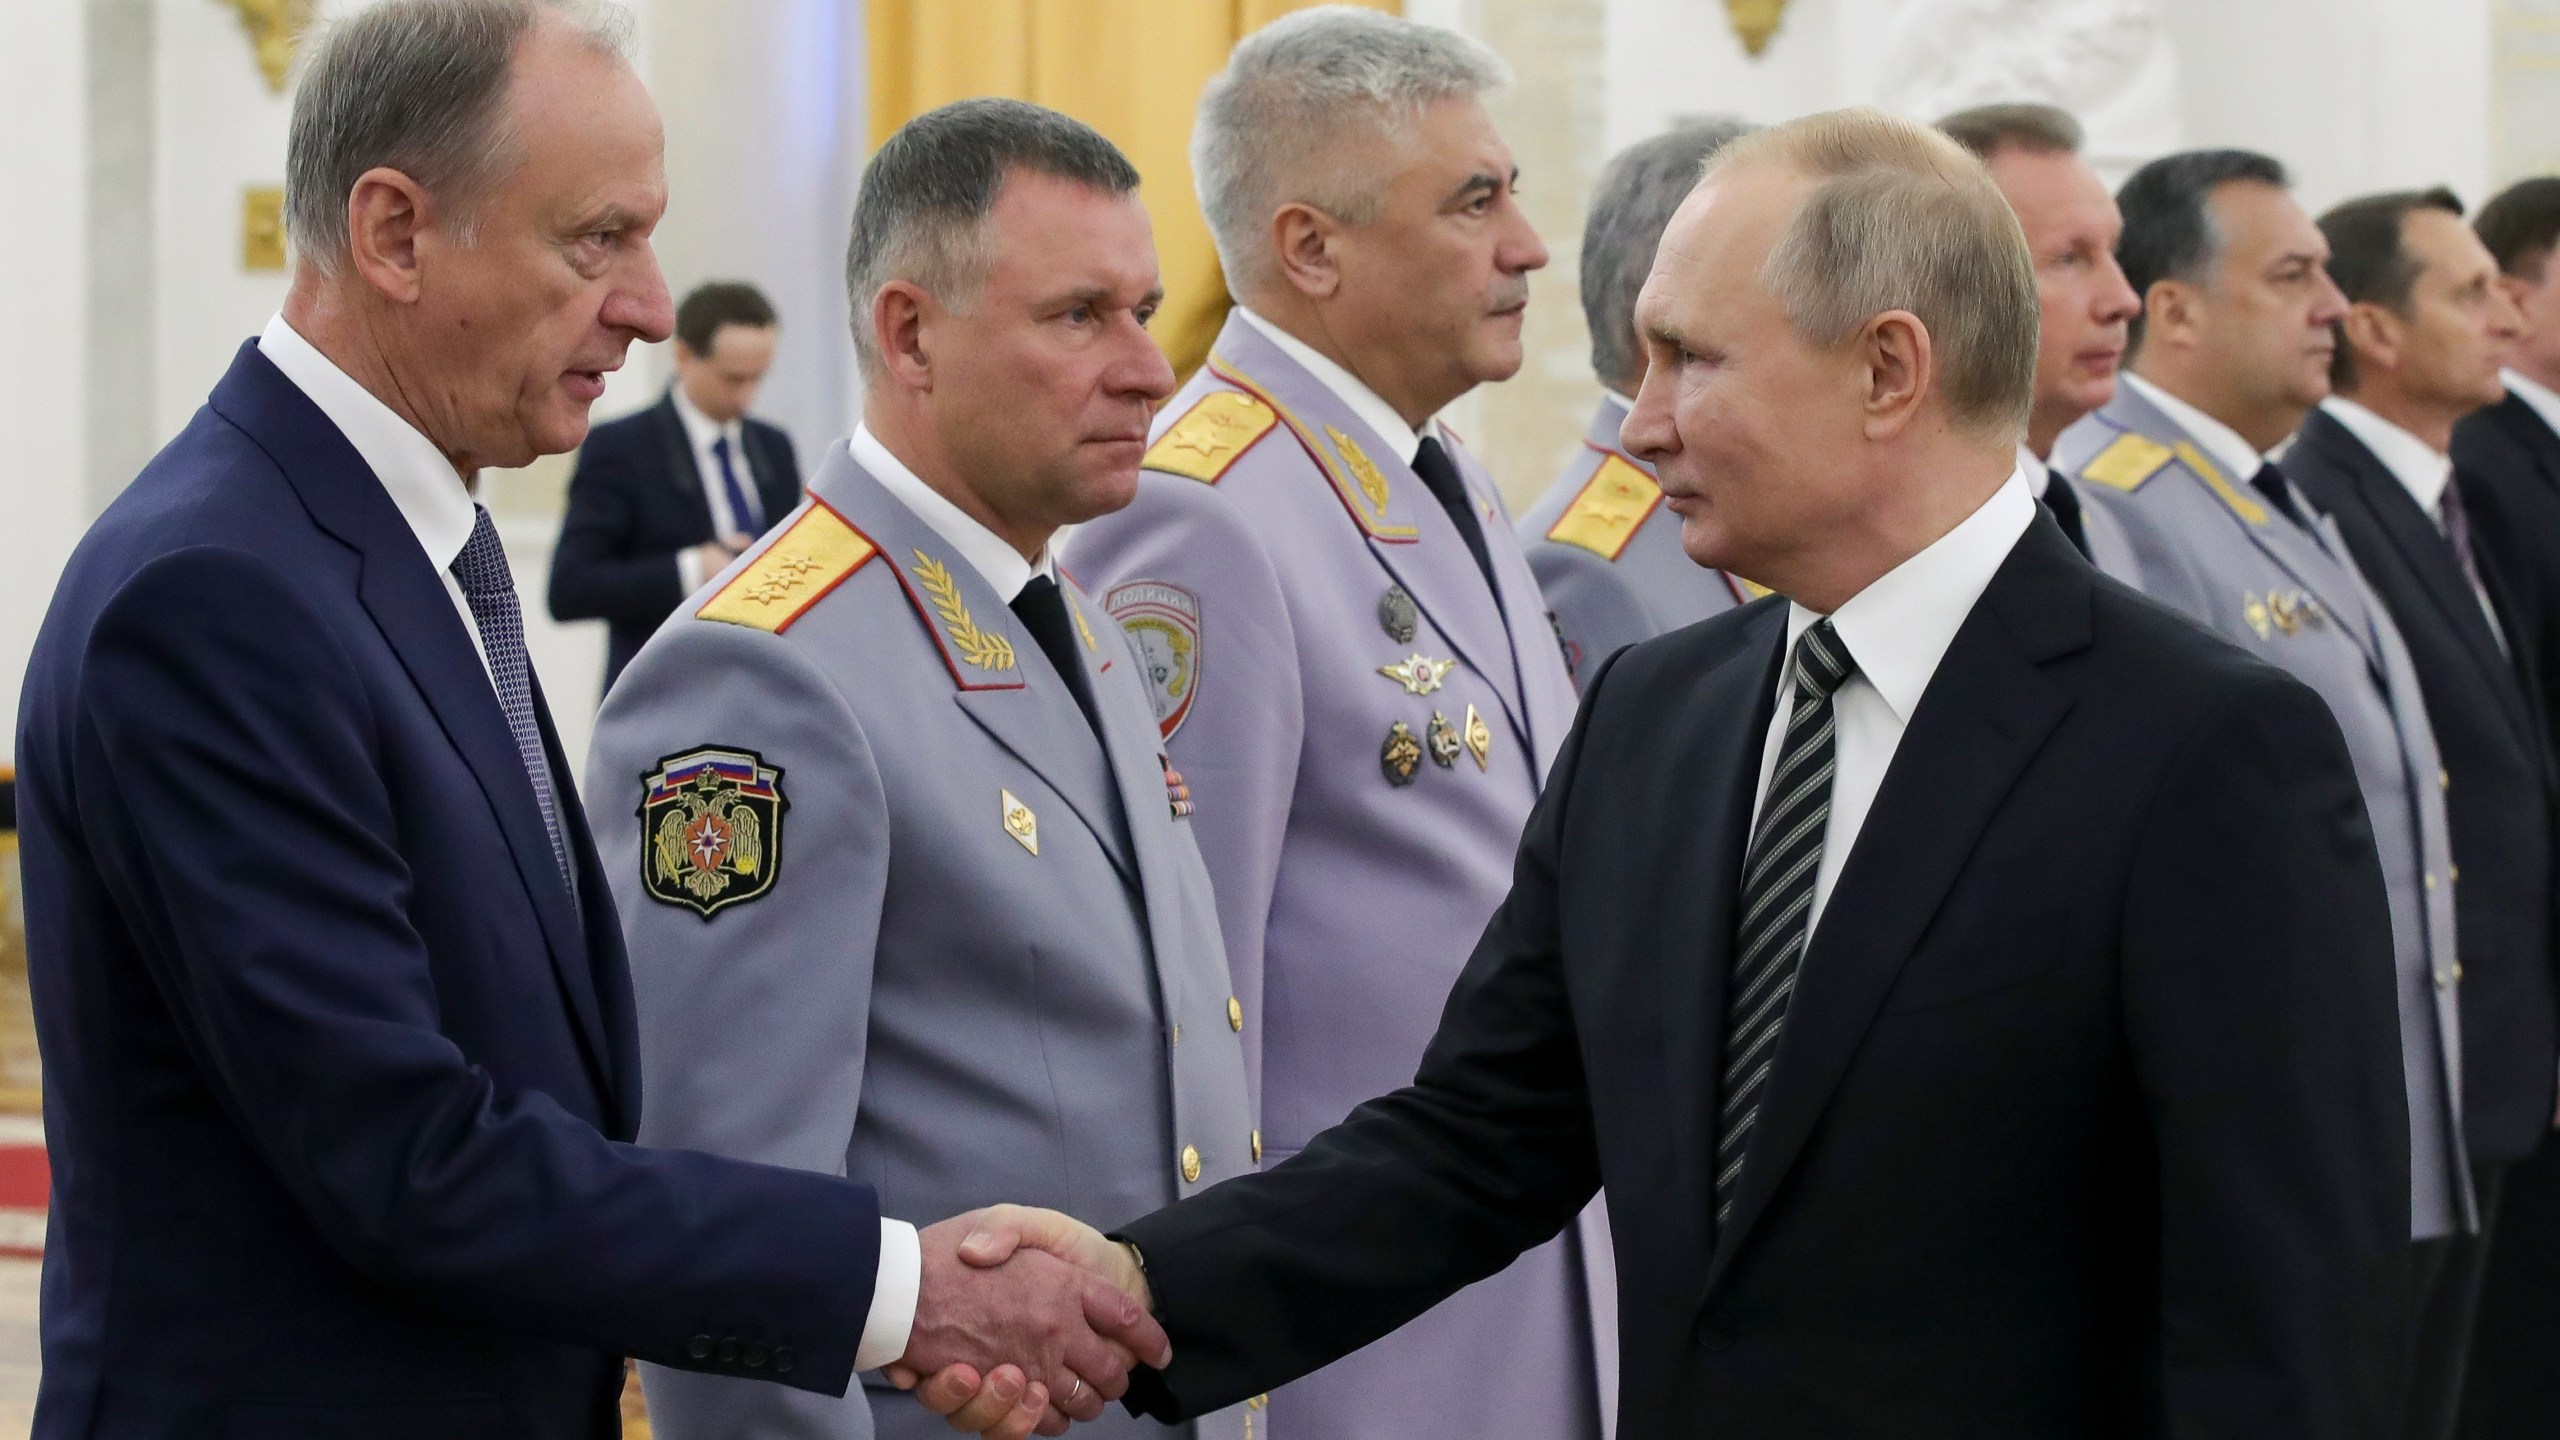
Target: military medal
x,y
1419,674
711,829
1479,737
1397,615
1401,755
1019,822
1443,740
1176,794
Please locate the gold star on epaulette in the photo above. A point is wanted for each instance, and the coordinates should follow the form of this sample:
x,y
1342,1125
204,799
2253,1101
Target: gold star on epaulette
x,y
1210,435
809,558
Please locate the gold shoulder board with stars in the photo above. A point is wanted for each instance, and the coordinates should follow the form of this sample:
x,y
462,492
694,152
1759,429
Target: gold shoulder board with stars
x,y
2127,462
815,555
2243,505
1615,504
1210,435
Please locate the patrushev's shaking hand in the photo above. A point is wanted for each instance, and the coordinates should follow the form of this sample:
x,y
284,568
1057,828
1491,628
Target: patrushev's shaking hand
x,y
1013,1264
1025,1319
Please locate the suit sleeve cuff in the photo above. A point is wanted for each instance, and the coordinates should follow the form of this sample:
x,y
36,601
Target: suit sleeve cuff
x,y
893,1296
689,579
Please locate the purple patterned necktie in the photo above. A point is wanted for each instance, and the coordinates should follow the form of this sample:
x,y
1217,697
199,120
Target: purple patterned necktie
x,y
2457,528
491,591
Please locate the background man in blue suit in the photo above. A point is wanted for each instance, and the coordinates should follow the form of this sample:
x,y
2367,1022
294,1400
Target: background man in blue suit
x,y
340,1068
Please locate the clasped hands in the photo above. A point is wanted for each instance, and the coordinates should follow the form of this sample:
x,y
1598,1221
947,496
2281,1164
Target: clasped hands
x,y
1026,1320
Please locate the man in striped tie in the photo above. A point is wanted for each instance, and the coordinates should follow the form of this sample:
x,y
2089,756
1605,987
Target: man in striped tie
x,y
1971,983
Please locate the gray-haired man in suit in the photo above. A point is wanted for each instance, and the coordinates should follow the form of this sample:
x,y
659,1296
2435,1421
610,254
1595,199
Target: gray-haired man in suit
x,y
908,881
2232,350
1349,653
1605,548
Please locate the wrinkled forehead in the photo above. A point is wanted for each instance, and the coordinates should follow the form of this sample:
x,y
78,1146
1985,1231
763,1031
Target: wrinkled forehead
x,y
1721,236
1047,235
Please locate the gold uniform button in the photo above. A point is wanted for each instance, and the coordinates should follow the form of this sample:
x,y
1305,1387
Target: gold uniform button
x,y
1235,1013
1191,1163
2453,873
1257,1147
2444,778
2431,879
2457,972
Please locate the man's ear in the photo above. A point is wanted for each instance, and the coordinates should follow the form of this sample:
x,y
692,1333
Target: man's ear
x,y
2376,334
1303,237
1901,365
387,212
901,317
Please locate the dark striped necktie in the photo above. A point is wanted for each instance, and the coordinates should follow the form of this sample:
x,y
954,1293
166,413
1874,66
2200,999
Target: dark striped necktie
x,y
490,590
1777,898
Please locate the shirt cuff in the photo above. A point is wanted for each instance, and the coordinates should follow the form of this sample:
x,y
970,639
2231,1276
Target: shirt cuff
x,y
893,1296
689,576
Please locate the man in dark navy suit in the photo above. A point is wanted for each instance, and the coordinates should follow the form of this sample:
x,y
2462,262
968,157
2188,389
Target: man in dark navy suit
x,y
662,500
340,1060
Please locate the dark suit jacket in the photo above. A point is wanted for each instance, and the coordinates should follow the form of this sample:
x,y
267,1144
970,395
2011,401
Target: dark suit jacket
x,y
339,1084
2498,801
634,501
2087,1119
2508,464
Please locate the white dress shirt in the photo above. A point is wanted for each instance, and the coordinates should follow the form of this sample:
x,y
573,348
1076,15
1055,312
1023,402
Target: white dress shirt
x,y
2421,469
430,495
988,553
700,431
1348,388
2032,465
424,486
1896,630
2222,445
2536,394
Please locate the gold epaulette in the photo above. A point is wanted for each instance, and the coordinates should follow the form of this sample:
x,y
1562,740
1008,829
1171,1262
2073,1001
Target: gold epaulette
x,y
804,562
2127,462
1613,505
1210,435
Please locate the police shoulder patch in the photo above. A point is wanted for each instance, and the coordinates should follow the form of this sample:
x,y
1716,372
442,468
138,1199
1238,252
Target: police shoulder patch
x,y
711,829
1209,437
1613,505
2127,461
1163,625
815,555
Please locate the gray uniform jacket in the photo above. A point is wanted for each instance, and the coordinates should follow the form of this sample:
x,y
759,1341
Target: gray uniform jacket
x,y
1607,554
2206,543
893,913
1366,729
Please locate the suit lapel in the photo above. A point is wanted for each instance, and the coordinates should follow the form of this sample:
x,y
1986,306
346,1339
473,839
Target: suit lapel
x,y
1983,717
1022,703
2525,426
1709,764
407,601
685,475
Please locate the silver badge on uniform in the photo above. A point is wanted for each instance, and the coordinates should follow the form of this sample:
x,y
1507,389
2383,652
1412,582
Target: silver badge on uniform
x,y
1163,624
1397,615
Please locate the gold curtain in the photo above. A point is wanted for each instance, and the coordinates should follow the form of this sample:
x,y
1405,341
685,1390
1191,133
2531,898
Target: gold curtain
x,y
1131,69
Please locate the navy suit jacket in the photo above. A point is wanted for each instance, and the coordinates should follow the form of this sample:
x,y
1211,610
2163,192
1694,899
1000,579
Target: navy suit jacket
x,y
339,1082
635,500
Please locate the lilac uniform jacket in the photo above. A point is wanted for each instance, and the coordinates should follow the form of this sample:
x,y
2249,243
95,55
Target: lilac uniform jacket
x,y
1364,725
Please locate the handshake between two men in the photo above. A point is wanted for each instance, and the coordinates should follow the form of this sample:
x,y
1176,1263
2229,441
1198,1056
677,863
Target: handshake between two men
x,y
1026,1320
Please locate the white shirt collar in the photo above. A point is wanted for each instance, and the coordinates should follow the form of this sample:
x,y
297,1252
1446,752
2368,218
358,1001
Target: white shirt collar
x,y
2417,464
2536,394
421,481
1900,626
701,429
2223,444
2039,474
1374,412
997,562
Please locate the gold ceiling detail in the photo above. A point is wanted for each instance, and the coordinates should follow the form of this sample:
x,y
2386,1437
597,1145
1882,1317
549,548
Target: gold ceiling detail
x,y
274,27
1754,21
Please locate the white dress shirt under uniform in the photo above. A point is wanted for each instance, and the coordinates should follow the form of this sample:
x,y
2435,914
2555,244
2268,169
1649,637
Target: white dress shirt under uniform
x,y
1348,388
2238,458
2422,470
1896,630
430,496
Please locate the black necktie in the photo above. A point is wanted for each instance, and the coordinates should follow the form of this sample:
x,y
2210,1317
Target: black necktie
x,y
1441,473
2066,511
2269,481
1042,609
1777,898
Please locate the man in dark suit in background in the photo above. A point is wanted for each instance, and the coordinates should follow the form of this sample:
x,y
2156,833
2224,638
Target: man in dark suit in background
x,y
341,1071
663,499
1971,982
2506,460
2417,350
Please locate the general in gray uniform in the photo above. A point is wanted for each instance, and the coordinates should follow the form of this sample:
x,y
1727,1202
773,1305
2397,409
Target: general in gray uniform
x,y
1606,552
908,880
1354,669
2218,533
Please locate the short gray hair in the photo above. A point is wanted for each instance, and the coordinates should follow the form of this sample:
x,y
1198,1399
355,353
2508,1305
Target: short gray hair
x,y
920,214
417,86
1636,198
2023,125
1272,124
1903,218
